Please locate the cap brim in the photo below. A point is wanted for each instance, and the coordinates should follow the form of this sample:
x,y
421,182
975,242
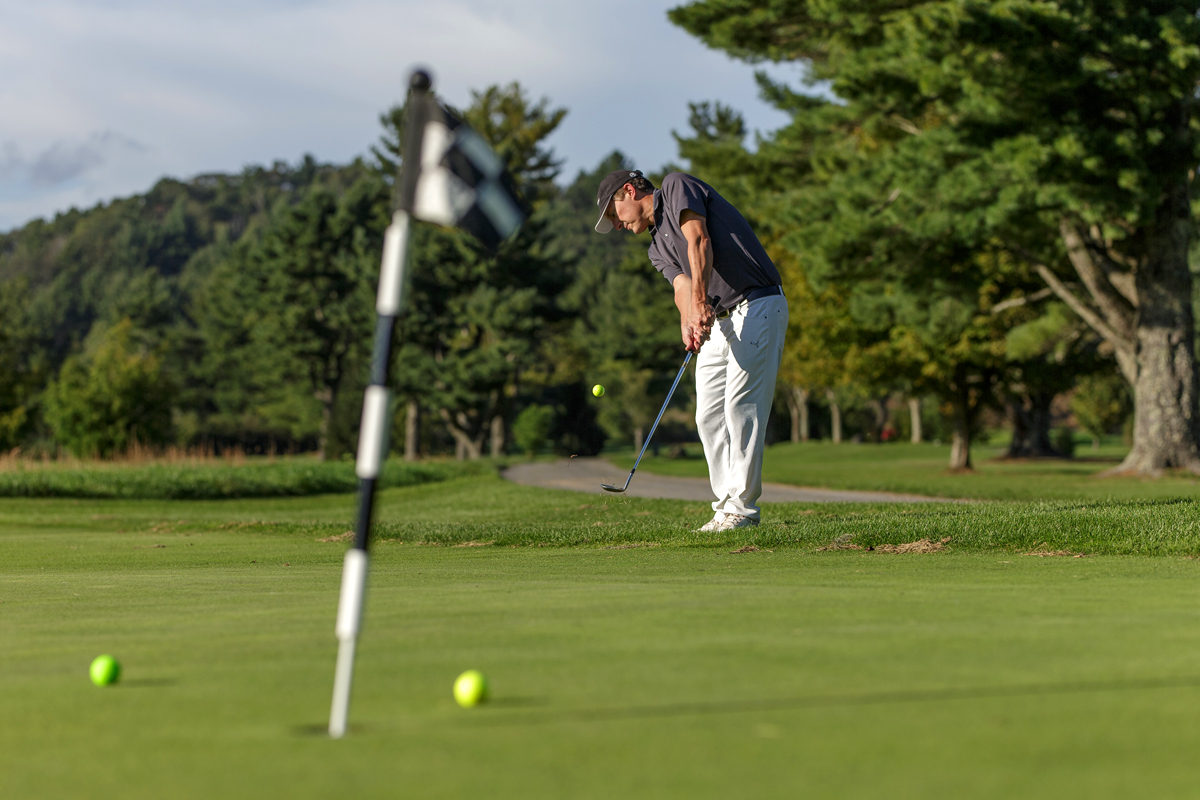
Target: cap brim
x,y
602,224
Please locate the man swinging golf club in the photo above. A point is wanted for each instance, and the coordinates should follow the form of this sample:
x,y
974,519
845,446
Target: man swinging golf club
x,y
732,313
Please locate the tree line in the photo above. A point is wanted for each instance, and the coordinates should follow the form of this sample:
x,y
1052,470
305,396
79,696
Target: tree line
x,y
978,209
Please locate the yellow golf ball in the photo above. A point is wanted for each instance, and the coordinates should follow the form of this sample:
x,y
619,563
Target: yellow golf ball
x,y
471,688
598,390
105,670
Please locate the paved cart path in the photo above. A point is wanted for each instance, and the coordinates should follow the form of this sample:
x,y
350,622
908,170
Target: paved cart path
x,y
586,475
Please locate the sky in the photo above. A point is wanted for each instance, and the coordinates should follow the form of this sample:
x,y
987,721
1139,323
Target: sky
x,y
100,99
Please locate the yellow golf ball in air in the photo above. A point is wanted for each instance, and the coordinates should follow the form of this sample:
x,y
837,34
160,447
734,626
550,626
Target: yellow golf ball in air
x,y
105,670
471,688
598,390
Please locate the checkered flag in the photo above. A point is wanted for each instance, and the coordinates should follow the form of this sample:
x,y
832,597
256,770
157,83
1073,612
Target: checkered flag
x,y
461,182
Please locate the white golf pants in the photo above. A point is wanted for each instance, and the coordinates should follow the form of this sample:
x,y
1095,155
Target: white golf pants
x,y
735,384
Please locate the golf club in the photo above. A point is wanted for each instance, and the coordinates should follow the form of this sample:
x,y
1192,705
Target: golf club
x,y
609,487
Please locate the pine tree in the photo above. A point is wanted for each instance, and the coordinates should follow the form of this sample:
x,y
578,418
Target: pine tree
x,y
474,321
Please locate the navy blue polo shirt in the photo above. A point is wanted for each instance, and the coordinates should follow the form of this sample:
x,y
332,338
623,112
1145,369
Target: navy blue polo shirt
x,y
739,261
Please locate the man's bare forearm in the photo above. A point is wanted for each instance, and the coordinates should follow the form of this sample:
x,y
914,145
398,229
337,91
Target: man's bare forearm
x,y
696,316
700,258
683,294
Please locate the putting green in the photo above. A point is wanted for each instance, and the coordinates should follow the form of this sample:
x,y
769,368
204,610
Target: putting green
x,y
637,672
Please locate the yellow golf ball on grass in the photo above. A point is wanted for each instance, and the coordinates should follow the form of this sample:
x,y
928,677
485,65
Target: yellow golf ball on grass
x,y
470,689
598,390
105,670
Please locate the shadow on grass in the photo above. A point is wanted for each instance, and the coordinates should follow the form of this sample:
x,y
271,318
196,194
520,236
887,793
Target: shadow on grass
x,y
321,730
482,718
720,707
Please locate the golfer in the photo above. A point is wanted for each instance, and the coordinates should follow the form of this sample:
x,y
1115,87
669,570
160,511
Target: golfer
x,y
732,312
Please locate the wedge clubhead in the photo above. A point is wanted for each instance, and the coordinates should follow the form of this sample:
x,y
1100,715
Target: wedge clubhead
x,y
608,487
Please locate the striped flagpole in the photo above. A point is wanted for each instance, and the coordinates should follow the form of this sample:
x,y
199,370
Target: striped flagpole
x,y
375,428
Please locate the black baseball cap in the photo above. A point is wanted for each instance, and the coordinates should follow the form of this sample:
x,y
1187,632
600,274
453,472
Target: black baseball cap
x,y
608,187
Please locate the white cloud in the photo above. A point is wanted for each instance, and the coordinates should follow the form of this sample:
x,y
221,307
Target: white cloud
x,y
215,86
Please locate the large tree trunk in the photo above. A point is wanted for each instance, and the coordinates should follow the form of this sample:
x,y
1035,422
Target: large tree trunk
x,y
835,414
327,397
497,443
638,433
1030,417
1143,309
797,400
880,406
960,447
412,430
465,445
914,413
1018,417
794,413
960,441
1166,428
802,401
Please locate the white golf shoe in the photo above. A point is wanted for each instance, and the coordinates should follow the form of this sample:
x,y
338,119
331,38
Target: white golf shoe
x,y
736,521
713,524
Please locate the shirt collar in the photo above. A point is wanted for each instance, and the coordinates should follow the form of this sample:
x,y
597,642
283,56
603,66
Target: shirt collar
x,y
658,211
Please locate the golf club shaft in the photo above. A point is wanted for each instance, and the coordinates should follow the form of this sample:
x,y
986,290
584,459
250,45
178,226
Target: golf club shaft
x,y
661,411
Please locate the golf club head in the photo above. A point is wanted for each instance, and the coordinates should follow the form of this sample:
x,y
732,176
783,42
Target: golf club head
x,y
610,488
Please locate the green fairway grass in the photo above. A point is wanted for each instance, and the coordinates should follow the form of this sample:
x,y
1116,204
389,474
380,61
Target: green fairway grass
x,y
628,657
921,469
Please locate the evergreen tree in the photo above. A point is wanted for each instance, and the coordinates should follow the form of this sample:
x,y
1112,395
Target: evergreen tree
x,y
144,258
474,321
623,327
287,317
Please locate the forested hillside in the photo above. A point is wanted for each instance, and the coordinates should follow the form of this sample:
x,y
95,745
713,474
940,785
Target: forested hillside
x,y
117,286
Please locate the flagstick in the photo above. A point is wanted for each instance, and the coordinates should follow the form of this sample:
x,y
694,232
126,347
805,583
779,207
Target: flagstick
x,y
375,428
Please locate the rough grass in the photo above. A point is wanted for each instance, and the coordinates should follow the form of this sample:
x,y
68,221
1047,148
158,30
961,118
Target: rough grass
x,y
211,480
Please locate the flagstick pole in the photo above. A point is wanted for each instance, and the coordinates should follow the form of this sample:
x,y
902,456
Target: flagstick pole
x,y
375,428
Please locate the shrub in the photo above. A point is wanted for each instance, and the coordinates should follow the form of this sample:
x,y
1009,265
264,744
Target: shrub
x,y
1064,442
531,428
1100,404
106,399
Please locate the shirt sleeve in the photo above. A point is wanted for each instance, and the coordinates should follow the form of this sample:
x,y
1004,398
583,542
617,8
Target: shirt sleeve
x,y
669,270
683,192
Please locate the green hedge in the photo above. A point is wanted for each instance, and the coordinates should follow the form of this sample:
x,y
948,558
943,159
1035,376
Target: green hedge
x,y
291,478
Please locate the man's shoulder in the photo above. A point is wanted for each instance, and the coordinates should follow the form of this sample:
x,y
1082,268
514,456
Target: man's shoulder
x,y
680,190
676,179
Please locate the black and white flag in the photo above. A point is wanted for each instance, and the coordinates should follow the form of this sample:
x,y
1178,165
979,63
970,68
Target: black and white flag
x,y
462,183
